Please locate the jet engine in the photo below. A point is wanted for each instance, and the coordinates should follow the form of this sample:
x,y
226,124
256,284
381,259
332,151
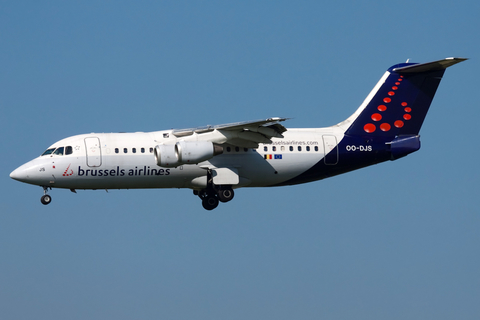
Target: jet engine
x,y
185,152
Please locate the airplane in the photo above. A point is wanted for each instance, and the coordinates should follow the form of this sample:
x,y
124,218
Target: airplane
x,y
213,161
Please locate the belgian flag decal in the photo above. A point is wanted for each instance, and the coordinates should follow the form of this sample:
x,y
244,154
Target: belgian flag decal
x,y
273,156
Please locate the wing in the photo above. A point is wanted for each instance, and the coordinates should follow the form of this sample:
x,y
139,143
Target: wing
x,y
247,134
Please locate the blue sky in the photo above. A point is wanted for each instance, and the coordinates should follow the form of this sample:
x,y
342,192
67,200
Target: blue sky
x,y
397,240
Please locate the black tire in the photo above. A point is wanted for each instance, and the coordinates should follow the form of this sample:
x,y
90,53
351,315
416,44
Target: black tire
x,y
210,202
225,195
46,199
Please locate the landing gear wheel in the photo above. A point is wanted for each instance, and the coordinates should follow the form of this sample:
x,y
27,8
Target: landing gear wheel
x,y
46,199
225,195
210,202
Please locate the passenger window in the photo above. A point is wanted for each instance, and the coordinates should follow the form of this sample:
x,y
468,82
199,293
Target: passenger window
x,y
237,149
59,151
282,148
299,148
142,150
265,148
291,148
48,151
245,149
308,148
151,150
68,150
125,150
229,149
116,150
316,148
274,148
134,150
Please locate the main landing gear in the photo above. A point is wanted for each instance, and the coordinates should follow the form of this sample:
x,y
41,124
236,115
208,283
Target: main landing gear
x,y
213,194
45,199
211,197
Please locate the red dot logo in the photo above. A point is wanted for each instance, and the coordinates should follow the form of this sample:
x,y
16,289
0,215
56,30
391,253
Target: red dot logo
x,y
387,100
385,127
398,123
369,128
397,83
404,104
376,117
391,93
382,107
407,109
407,116
394,88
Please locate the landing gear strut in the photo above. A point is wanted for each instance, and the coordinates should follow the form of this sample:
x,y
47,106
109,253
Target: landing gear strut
x,y
45,199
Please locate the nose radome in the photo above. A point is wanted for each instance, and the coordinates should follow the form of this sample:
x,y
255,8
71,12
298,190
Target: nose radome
x,y
18,174
23,173
31,172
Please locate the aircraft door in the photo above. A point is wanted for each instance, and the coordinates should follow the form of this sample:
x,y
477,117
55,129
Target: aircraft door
x,y
94,154
331,149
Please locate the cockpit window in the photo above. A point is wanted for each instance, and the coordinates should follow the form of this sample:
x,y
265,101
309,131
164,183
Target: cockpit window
x,y
48,151
59,151
68,150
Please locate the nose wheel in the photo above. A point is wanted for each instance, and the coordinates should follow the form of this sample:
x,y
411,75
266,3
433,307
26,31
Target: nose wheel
x,y
45,199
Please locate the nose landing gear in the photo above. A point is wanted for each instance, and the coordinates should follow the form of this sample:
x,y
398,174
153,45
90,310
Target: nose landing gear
x,y
45,199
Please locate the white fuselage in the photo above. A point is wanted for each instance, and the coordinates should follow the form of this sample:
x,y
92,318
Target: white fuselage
x,y
126,161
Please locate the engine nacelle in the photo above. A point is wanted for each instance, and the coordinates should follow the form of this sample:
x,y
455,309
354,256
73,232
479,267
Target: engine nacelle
x,y
185,152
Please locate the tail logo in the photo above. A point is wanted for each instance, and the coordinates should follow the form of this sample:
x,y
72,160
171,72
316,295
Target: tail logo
x,y
377,117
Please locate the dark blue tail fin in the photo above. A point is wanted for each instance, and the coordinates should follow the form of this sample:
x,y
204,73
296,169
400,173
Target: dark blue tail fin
x,y
399,103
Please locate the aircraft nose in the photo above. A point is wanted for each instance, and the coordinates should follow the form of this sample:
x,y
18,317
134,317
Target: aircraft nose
x,y
32,172
18,174
25,173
